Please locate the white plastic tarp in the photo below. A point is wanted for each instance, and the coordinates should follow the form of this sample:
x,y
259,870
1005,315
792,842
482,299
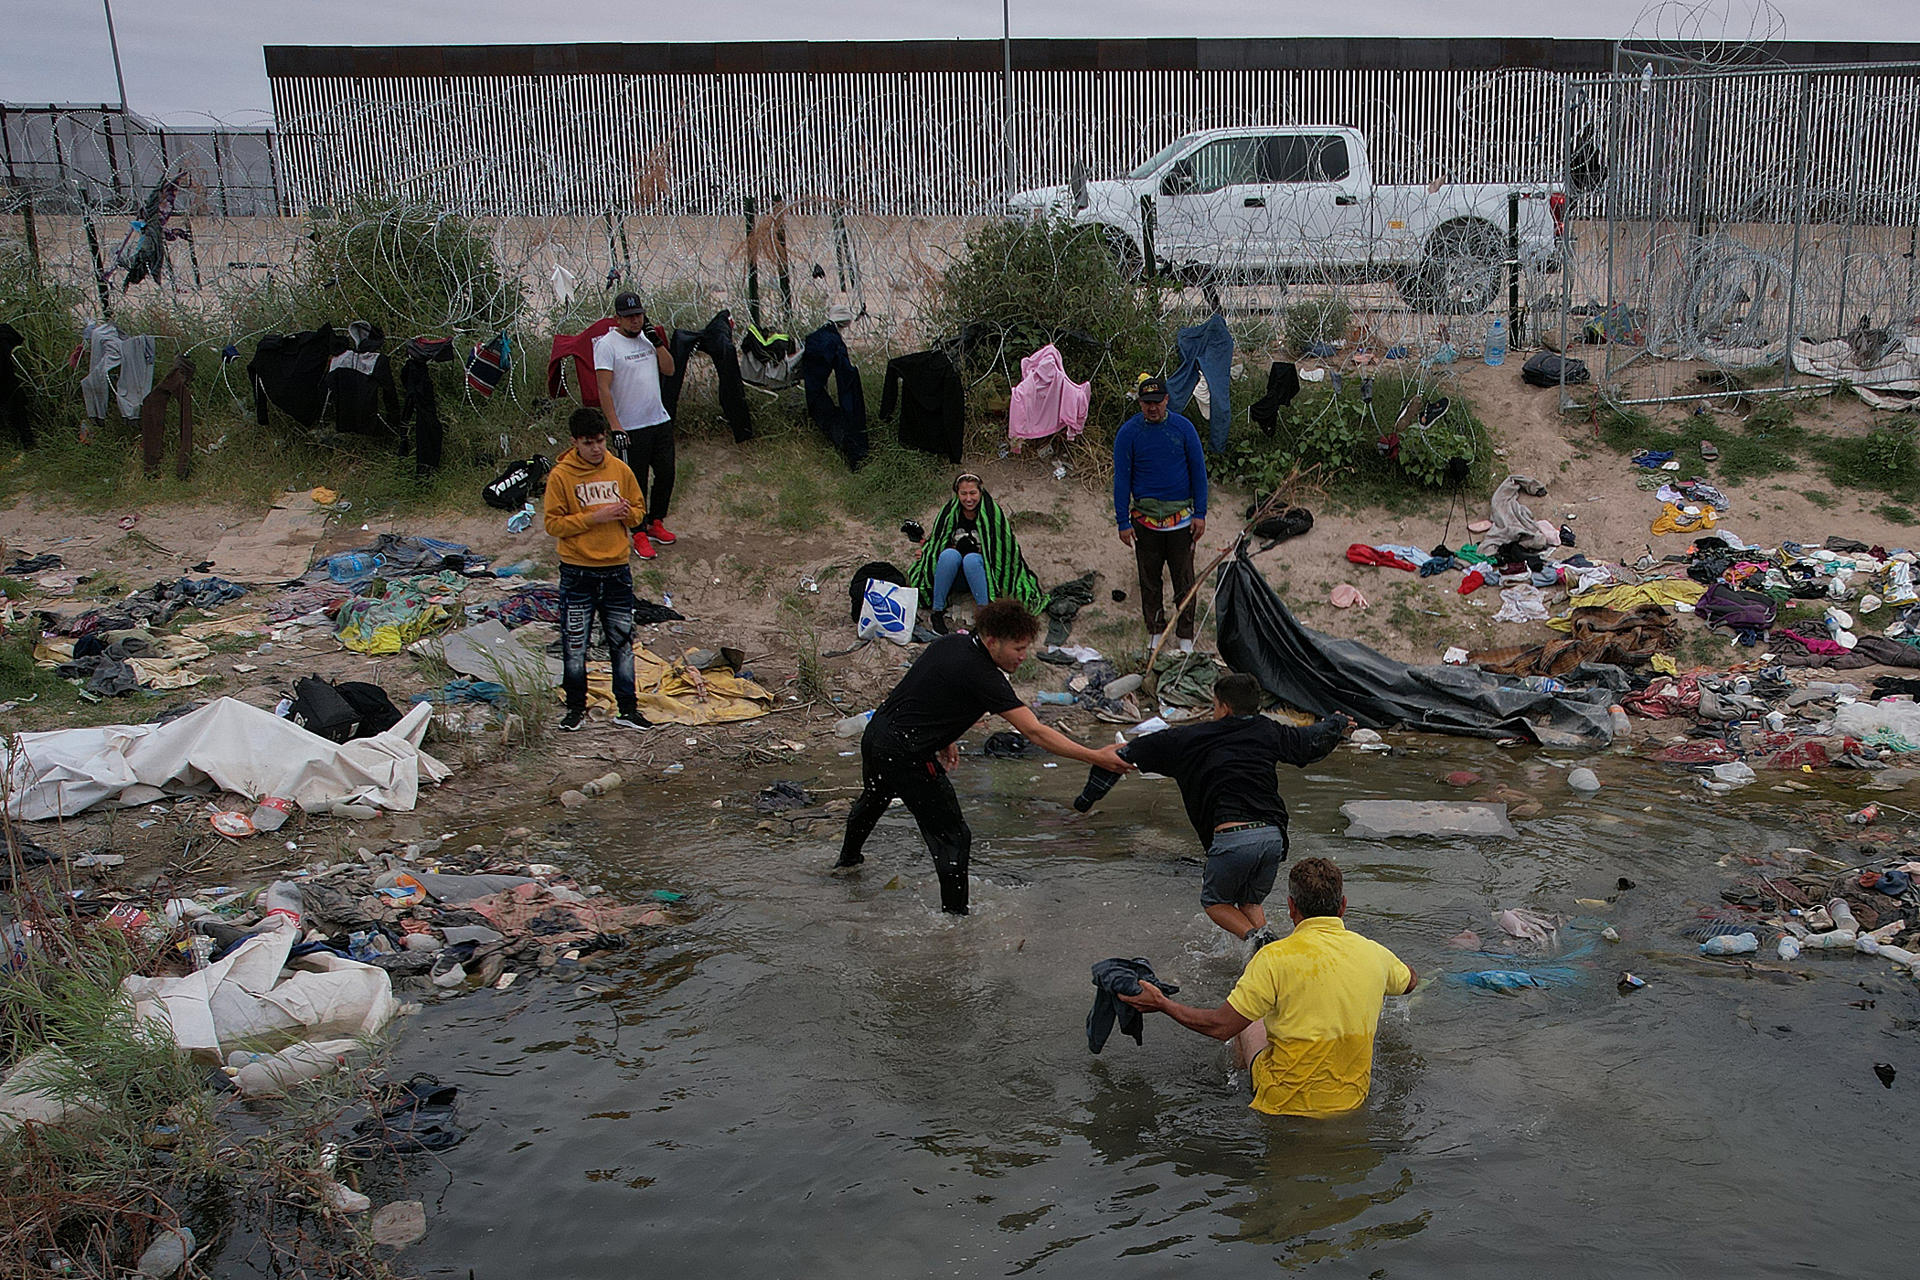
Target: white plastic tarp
x,y
241,1001
227,745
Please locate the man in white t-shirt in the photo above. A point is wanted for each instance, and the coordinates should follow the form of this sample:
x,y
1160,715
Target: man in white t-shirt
x,y
628,362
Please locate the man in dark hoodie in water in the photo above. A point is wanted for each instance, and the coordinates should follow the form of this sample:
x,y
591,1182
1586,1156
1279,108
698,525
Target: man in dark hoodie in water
x,y
1225,768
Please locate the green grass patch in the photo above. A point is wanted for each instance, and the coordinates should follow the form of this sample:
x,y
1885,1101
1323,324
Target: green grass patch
x,y
1896,514
1763,444
1823,499
1330,440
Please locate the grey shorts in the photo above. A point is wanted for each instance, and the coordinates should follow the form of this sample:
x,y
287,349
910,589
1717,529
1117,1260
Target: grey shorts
x,y
1242,865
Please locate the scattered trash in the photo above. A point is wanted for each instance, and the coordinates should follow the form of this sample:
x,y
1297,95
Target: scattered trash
x,y
1631,982
1886,1073
1584,781
1739,944
399,1224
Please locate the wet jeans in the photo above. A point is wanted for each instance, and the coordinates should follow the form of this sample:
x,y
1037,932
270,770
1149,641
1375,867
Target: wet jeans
x,y
608,595
886,771
946,571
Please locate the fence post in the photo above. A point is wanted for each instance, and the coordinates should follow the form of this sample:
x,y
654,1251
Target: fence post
x,y
846,272
99,263
1702,115
1799,222
1147,219
25,194
781,265
113,152
1516,331
1565,247
1855,148
753,264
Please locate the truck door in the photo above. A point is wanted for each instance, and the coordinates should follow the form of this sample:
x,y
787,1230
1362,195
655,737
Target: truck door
x,y
1214,207
1321,206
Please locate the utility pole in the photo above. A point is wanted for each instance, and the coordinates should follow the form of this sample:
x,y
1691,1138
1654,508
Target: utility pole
x,y
1006,102
113,43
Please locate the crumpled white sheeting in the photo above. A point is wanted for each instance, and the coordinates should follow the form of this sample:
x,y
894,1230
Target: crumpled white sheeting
x,y
228,745
242,1003
1522,603
1898,371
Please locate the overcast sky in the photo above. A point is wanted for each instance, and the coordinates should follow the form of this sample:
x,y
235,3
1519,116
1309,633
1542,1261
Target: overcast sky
x,y
191,59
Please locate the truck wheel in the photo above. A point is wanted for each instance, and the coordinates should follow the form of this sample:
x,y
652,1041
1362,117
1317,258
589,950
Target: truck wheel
x,y
1125,253
1460,272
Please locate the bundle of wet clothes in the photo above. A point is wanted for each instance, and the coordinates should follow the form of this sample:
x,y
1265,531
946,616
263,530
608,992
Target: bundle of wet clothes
x,y
1112,979
305,375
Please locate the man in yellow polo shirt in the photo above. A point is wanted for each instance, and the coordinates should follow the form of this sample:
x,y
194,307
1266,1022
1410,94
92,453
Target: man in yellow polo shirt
x,y
1311,1001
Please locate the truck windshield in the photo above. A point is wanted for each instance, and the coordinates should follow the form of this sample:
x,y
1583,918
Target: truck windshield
x,y
1166,153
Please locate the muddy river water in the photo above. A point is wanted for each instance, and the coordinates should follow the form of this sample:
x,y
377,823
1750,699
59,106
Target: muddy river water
x,y
817,1078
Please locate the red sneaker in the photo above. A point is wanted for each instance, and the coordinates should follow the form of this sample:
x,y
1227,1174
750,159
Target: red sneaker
x,y
658,532
642,547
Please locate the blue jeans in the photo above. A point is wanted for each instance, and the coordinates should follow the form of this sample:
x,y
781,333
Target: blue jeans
x,y
1205,348
608,595
946,570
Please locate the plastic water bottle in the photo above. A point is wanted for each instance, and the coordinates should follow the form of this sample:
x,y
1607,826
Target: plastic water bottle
x,y
852,726
1843,915
1788,947
1738,944
1497,342
167,1254
282,898
1622,727
1054,698
1838,940
1123,686
272,1075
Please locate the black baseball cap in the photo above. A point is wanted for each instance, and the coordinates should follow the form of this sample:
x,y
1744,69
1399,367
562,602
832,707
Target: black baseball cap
x,y
1152,389
628,304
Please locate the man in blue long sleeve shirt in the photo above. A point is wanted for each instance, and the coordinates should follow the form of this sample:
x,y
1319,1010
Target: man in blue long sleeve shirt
x,y
1160,502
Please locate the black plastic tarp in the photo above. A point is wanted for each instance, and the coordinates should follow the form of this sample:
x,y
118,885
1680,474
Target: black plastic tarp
x,y
1321,674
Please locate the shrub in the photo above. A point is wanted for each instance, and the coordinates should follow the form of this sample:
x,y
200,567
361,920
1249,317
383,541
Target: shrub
x,y
1889,450
1316,320
407,268
1021,284
46,312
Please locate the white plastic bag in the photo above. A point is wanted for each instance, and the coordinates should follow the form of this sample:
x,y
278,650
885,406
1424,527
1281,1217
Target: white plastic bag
x,y
887,609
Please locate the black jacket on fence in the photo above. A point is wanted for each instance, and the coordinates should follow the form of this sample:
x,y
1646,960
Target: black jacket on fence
x,y
420,402
15,417
717,341
288,371
931,399
359,380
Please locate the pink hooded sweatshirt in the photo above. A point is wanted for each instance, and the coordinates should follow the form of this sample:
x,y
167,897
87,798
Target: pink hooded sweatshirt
x,y
1047,400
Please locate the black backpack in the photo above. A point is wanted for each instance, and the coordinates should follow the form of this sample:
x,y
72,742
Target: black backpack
x,y
371,704
320,708
510,490
1542,369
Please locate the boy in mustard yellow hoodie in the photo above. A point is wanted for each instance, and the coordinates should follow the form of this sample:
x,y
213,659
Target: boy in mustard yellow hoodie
x,y
592,501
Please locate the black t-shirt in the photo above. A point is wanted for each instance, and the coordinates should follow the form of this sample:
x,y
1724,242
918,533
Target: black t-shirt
x,y
949,687
965,537
1225,767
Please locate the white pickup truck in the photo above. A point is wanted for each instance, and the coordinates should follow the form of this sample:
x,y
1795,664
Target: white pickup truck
x,y
1299,202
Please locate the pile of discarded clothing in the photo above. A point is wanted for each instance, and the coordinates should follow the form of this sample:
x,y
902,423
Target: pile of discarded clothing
x,y
284,983
1865,911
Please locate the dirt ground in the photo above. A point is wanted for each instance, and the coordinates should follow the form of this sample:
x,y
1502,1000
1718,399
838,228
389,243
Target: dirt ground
x,y
748,587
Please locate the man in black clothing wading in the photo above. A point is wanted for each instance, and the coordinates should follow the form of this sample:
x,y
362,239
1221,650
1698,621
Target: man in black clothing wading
x,y
1225,768
909,744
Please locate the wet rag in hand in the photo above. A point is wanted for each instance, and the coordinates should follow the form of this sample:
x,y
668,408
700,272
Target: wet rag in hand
x,y
1112,979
